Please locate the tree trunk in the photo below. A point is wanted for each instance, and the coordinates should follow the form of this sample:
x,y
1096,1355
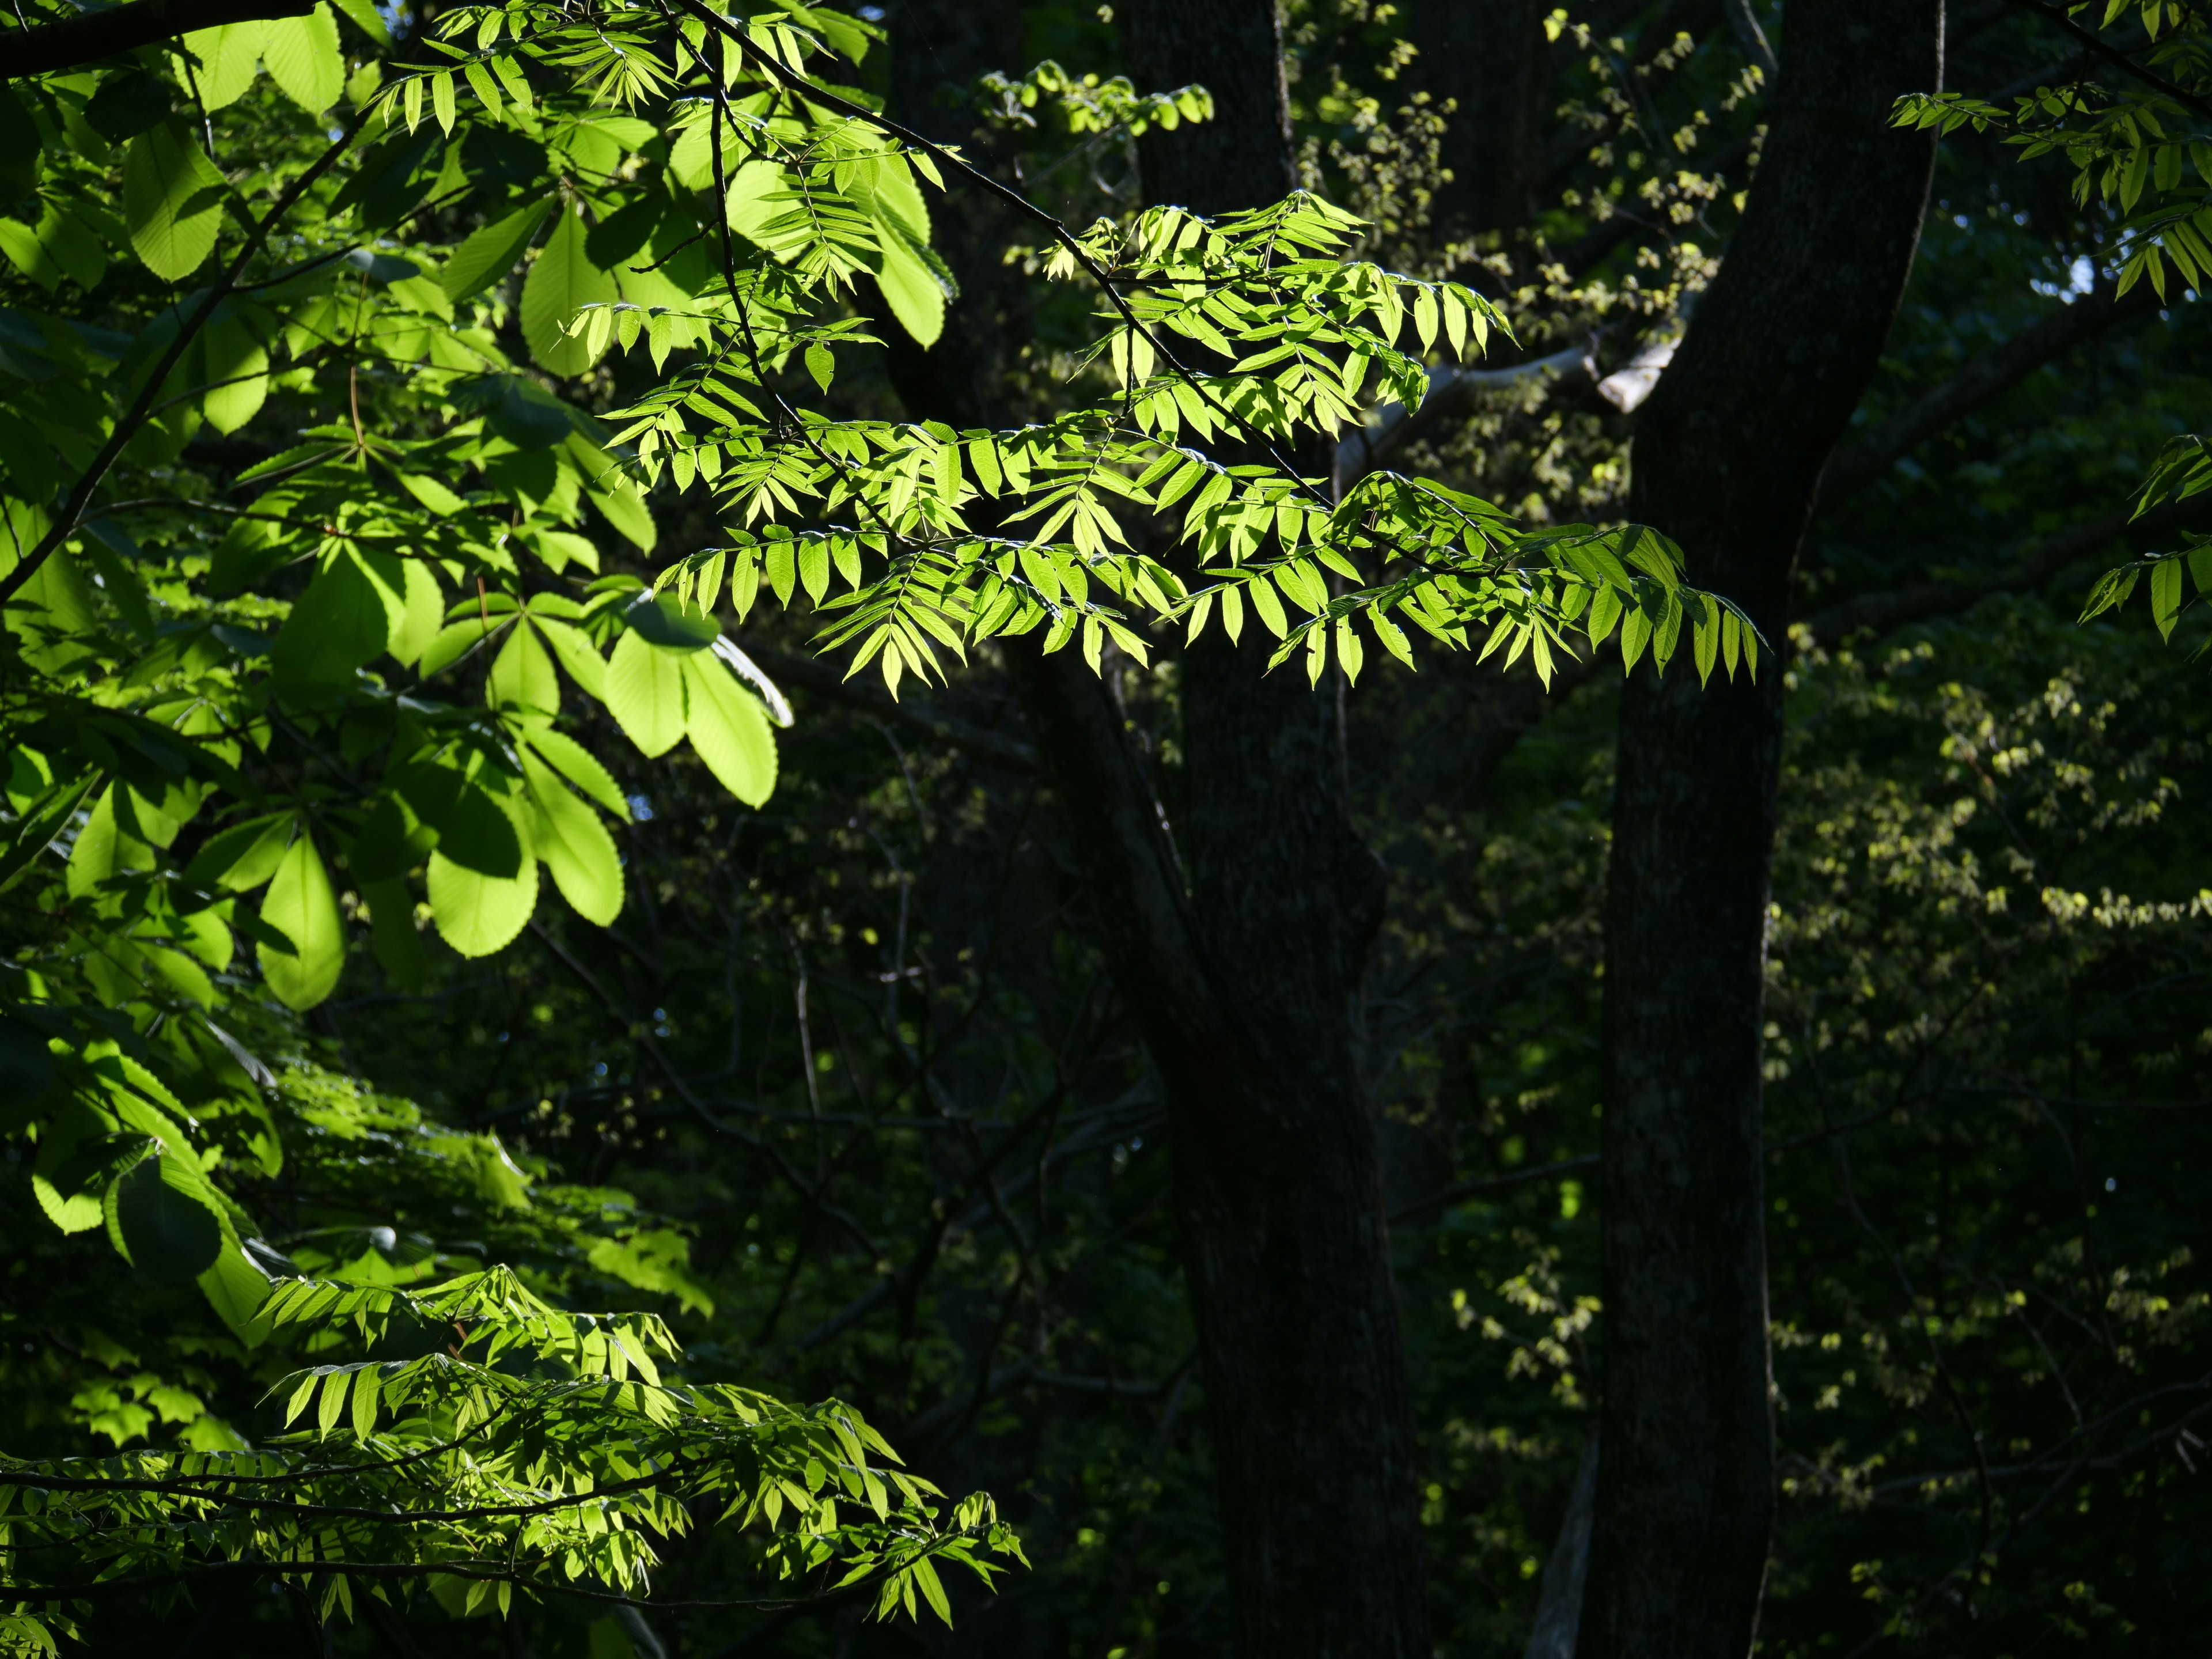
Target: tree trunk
x,y
1243,970
1728,459
1489,58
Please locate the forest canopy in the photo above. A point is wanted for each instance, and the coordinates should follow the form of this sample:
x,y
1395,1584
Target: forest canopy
x,y
988,828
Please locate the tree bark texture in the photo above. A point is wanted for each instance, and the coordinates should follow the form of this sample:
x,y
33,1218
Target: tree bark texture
x,y
1727,460
1238,941
1489,59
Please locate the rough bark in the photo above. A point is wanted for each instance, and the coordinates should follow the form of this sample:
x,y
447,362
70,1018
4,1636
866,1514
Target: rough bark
x,y
1489,58
1727,460
1239,946
1278,1180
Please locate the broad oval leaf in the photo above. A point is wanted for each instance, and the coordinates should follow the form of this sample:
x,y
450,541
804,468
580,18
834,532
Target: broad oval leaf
x,y
581,767
645,692
491,251
342,622
912,290
522,677
728,730
300,906
243,856
238,372
172,201
475,830
166,1232
574,846
303,57
563,281
477,913
229,57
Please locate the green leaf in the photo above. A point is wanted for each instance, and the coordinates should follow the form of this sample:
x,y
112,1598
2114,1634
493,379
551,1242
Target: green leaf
x,y
727,729
364,16
456,640
422,607
300,906
575,654
166,1232
28,254
303,57
332,1405
394,839
522,675
244,856
933,1589
477,913
233,355
622,235
561,282
34,830
625,509
229,57
574,846
235,1288
341,622
392,935
172,201
97,856
912,290
664,622
581,767
490,252
645,692
474,827
2165,591
365,1392
1635,633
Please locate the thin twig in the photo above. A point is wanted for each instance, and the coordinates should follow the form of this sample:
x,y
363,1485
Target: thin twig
x,y
2091,41
66,521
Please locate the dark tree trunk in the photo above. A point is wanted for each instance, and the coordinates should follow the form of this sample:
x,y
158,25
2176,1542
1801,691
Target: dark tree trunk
x,y
1728,458
1240,953
1489,58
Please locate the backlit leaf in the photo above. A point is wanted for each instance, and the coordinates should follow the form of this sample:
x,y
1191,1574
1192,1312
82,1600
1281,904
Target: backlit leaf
x,y
172,201
300,906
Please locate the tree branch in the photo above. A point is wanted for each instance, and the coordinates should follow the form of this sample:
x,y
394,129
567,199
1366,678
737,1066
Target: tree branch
x,y
1975,385
71,514
1451,394
1461,1194
814,675
1880,613
2091,41
44,48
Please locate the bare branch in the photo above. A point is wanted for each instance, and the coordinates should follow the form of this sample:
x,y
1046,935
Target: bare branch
x,y
1452,394
2092,42
1975,385
812,674
1880,613
44,48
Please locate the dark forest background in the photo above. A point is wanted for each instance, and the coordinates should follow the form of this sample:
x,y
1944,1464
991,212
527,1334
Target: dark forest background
x,y
876,1053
